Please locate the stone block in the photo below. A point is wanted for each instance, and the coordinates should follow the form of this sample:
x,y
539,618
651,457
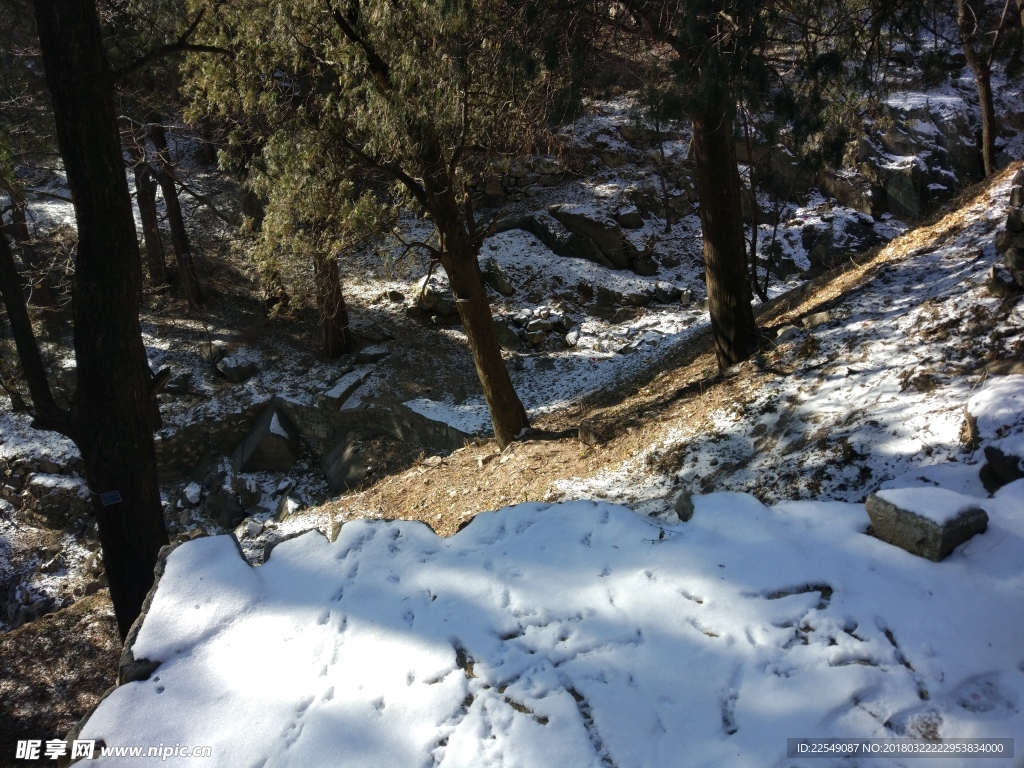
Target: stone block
x,y
927,522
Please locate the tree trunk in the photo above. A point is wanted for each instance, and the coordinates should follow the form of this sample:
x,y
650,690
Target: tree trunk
x,y
179,235
114,410
983,78
145,196
459,252
18,228
721,217
508,415
41,290
980,64
330,304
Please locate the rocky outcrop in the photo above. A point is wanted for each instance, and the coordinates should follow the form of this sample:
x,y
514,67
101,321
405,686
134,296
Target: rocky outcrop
x,y
928,522
575,233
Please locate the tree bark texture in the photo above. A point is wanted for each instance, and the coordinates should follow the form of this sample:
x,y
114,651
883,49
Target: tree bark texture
x,y
980,62
145,198
114,411
721,217
179,235
330,304
459,257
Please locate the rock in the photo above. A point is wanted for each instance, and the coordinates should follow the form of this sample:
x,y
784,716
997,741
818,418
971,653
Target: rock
x,y
213,352
998,286
431,296
666,293
604,233
371,355
550,180
344,387
818,318
1001,469
547,165
539,324
536,337
629,219
248,529
1006,240
240,366
928,522
344,465
786,333
587,433
1014,259
396,297
572,338
496,277
1016,196
223,506
508,339
58,497
286,507
272,445
643,265
1014,222
684,506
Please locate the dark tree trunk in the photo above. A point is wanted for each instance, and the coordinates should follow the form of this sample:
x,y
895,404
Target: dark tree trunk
x,y
507,412
459,259
41,289
179,235
330,304
114,411
459,252
145,195
721,217
983,78
980,61
18,228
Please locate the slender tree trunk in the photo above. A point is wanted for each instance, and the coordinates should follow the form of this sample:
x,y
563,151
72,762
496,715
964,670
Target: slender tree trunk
x,y
179,235
41,290
18,228
507,412
721,217
459,252
983,78
114,410
980,62
145,197
330,303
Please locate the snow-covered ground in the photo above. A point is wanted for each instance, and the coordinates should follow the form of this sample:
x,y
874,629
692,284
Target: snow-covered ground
x,y
582,634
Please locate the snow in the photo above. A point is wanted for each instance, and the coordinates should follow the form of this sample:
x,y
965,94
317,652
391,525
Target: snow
x,y
939,505
580,634
276,428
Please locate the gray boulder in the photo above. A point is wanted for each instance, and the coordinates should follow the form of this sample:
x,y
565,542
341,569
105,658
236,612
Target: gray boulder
x,y
508,339
344,465
629,219
928,522
272,445
239,366
496,277
604,233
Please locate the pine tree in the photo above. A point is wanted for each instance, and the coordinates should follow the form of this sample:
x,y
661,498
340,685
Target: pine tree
x,y
420,92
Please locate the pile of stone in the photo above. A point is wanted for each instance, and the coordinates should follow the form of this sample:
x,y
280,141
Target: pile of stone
x,y
545,327
1010,243
515,180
